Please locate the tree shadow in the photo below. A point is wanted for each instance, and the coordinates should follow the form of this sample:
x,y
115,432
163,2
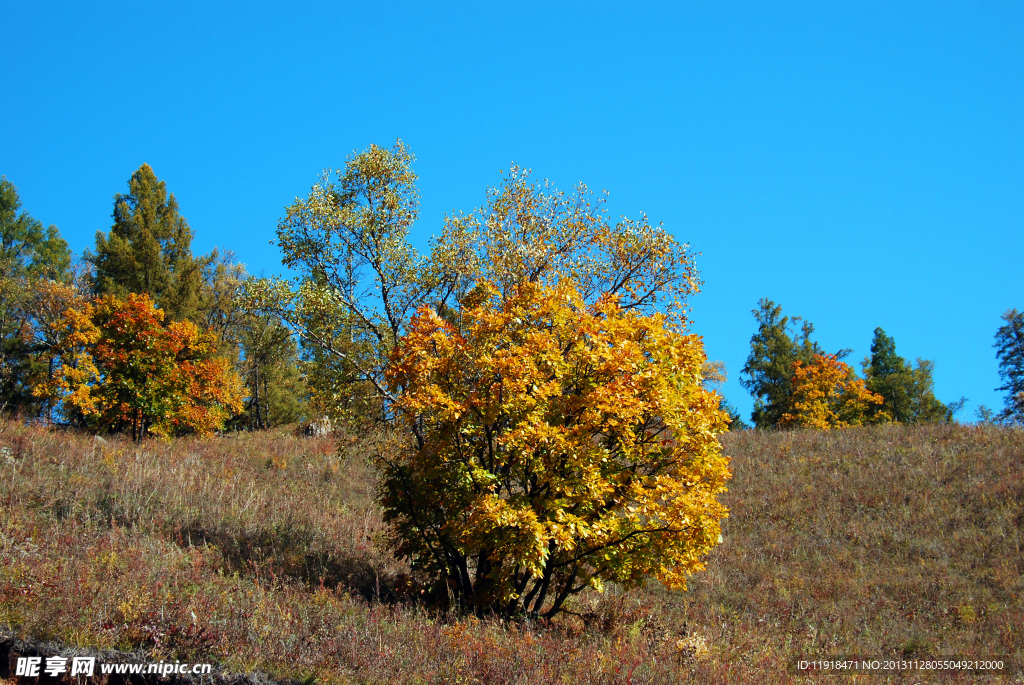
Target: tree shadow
x,y
289,553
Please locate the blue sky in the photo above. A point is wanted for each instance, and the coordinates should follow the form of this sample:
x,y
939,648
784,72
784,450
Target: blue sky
x,y
862,164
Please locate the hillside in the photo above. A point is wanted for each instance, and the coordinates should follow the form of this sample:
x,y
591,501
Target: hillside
x,y
265,552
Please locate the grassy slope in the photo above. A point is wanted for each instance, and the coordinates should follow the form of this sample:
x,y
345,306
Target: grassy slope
x,y
266,552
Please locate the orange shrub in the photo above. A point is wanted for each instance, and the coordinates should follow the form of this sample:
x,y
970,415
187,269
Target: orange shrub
x,y
122,368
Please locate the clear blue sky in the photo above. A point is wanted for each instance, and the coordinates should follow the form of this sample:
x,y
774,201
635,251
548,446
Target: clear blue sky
x,y
860,163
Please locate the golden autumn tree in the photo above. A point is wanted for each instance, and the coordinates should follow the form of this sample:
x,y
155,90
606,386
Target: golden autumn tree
x,y
559,444
826,394
121,367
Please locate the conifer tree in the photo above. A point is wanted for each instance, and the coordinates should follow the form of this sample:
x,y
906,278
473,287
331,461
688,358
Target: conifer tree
x,y
769,368
26,248
148,249
1010,352
907,390
30,256
735,420
258,346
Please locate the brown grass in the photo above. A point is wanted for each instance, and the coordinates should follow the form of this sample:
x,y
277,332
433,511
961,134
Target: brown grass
x,y
265,552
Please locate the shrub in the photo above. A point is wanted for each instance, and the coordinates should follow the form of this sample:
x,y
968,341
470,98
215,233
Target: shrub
x,y
121,368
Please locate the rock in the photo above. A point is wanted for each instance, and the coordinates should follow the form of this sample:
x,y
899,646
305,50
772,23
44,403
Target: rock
x,y
318,428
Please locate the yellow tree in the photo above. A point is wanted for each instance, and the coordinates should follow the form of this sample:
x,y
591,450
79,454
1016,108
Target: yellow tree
x,y
826,394
558,444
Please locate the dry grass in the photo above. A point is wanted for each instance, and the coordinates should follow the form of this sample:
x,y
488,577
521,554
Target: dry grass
x,y
265,552
890,541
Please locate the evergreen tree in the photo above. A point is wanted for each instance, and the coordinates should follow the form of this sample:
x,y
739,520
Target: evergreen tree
x,y
26,249
735,421
907,390
149,250
220,307
262,350
769,368
1010,352
30,256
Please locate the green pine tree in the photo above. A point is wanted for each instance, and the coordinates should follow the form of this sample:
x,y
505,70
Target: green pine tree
x,y
906,389
149,250
736,422
26,248
1010,352
769,368
29,256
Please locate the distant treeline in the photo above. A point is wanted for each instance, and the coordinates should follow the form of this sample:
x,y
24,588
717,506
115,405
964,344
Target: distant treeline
x,y
795,383
140,335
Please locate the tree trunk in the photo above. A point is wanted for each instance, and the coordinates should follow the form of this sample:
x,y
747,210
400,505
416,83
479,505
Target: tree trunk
x,y
266,402
256,394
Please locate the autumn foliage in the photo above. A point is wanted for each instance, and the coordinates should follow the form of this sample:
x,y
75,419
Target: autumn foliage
x,y
559,444
120,367
826,395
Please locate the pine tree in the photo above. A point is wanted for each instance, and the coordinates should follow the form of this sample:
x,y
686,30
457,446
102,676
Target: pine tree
x,y
26,249
149,250
906,389
735,420
769,368
1010,352
30,257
